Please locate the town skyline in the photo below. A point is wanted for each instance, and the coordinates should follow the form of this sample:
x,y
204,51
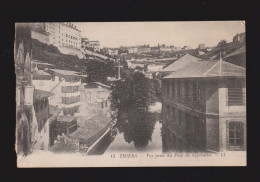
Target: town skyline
x,y
179,34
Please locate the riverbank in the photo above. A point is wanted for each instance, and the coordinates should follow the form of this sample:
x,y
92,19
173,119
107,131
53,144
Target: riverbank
x,y
89,130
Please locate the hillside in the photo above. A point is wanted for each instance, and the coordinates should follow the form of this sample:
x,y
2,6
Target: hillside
x,y
50,54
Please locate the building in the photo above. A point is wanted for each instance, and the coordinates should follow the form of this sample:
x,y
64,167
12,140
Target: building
x,y
63,125
64,84
165,49
94,44
95,99
65,36
155,67
41,108
132,50
112,52
84,43
201,46
240,38
204,107
186,48
144,49
179,64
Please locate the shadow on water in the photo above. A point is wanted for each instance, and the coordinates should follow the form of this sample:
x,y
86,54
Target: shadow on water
x,y
137,127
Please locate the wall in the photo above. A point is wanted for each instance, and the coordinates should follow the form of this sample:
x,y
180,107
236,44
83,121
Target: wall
x,y
212,134
40,37
71,51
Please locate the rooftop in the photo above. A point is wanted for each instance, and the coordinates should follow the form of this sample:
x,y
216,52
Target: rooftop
x,y
208,68
41,94
63,118
180,63
54,112
96,84
65,72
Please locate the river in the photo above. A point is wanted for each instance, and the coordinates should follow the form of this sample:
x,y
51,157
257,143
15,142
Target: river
x,y
139,132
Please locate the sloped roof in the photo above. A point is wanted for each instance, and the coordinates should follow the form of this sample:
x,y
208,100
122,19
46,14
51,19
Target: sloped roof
x,y
208,68
63,118
96,84
65,72
180,63
41,94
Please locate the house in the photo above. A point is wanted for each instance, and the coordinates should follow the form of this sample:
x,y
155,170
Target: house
x,y
65,84
95,99
204,107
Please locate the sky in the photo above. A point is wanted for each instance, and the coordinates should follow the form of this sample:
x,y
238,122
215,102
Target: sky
x,y
179,34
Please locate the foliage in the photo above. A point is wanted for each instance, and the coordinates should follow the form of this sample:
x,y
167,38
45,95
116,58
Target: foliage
x,y
98,71
136,91
222,43
137,127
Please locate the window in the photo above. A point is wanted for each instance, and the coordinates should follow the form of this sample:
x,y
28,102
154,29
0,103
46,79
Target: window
x,y
235,96
185,90
236,135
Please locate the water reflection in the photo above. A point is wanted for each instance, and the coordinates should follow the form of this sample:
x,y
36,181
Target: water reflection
x,y
137,127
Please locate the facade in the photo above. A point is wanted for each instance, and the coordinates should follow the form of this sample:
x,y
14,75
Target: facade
x,y
204,107
66,86
64,35
95,98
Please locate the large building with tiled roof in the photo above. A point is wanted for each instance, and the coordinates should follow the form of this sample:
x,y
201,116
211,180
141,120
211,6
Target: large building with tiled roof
x,y
204,107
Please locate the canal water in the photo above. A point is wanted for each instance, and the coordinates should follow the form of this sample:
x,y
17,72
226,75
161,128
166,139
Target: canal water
x,y
138,132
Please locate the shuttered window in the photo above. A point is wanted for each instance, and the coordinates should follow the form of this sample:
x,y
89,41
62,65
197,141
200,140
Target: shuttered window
x,y
235,96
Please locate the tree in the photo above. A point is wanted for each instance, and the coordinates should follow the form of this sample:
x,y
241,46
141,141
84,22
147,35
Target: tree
x,y
222,43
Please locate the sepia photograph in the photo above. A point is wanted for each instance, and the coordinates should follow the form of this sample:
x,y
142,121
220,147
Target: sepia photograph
x,y
130,94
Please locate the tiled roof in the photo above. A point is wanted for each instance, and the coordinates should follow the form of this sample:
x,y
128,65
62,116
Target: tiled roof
x,y
41,94
180,63
208,68
65,72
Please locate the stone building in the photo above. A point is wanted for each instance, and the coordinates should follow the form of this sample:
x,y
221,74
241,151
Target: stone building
x,y
204,107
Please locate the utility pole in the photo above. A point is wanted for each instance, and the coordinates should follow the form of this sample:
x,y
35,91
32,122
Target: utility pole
x,y
119,69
